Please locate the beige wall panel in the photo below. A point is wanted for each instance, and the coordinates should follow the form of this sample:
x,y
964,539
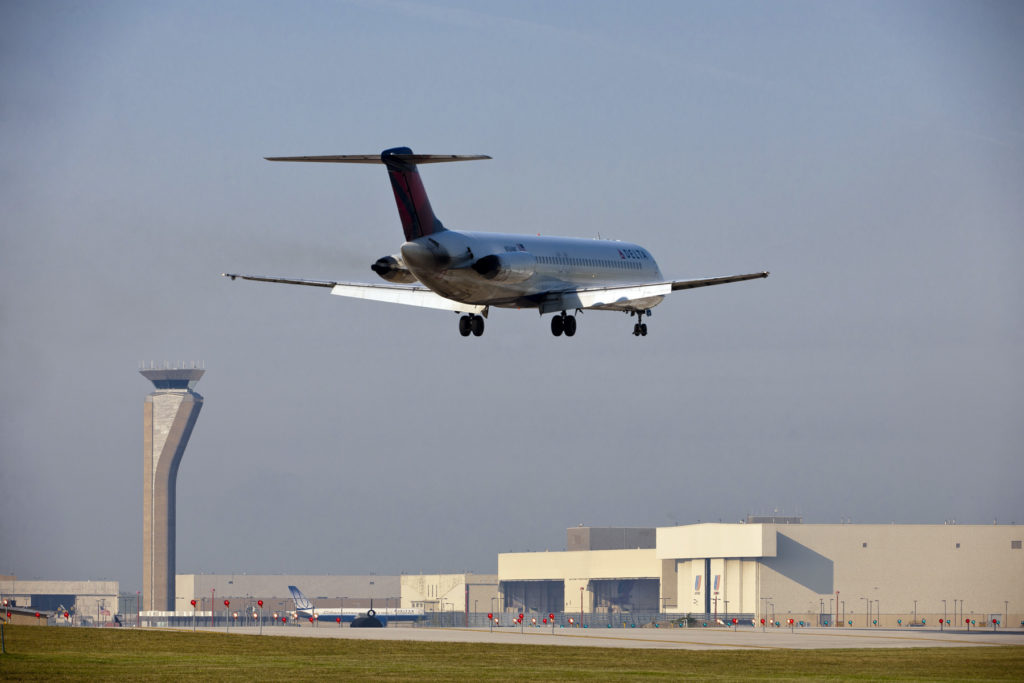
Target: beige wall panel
x,y
716,540
593,564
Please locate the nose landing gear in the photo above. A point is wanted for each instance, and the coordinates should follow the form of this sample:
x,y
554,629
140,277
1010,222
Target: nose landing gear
x,y
563,324
471,323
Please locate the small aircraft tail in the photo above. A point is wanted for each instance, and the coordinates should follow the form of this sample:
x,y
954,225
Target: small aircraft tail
x,y
300,600
414,208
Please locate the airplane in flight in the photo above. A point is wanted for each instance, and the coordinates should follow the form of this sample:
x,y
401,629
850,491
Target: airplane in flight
x,y
471,272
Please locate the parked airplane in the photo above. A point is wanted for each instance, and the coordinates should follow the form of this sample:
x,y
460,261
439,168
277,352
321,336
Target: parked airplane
x,y
305,609
470,272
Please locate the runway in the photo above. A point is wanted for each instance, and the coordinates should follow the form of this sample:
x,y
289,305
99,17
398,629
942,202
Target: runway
x,y
663,638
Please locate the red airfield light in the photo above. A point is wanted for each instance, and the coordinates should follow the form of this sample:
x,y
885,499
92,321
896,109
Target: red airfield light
x,y
762,622
227,603
260,603
551,616
66,615
284,620
338,619
490,615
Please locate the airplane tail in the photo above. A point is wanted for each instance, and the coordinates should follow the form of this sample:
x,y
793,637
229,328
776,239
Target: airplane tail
x,y
414,208
300,600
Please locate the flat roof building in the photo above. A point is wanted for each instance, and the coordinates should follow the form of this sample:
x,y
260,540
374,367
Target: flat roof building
x,y
874,574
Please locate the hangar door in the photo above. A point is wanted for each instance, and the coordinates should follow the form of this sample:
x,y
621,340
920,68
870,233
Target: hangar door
x,y
625,595
533,596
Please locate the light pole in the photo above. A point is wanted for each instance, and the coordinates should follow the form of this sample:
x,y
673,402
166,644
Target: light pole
x,y
582,588
915,612
878,612
945,617
765,600
867,611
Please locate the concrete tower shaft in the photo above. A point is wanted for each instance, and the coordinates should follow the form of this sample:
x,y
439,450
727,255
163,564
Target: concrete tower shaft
x,y
169,414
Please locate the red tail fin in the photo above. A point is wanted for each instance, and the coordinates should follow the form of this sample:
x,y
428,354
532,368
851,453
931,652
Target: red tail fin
x,y
414,208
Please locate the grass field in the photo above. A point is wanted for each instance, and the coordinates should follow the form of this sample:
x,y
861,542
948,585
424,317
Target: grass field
x,y
38,652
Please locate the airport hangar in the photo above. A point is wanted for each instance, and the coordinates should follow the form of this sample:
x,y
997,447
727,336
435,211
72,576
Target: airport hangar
x,y
778,567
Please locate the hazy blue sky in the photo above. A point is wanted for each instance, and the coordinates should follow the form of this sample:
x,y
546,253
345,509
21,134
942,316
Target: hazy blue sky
x,y
869,154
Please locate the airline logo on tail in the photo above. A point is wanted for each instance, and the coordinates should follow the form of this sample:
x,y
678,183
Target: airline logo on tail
x,y
301,601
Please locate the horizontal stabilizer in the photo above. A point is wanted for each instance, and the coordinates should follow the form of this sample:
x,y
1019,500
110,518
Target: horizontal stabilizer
x,y
376,158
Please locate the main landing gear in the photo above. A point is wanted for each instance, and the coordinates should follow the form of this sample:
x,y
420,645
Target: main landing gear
x,y
640,328
563,324
471,323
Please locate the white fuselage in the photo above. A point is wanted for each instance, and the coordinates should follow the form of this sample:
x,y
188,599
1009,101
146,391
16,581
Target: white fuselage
x,y
535,266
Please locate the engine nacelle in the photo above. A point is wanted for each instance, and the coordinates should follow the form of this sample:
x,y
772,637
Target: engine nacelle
x,y
392,269
513,266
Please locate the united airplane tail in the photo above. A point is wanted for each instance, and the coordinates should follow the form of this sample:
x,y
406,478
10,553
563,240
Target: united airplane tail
x,y
300,600
418,219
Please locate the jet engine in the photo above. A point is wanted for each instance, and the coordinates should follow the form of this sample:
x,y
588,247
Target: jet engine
x,y
392,269
513,266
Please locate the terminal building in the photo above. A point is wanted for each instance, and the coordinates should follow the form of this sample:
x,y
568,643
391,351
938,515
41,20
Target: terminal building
x,y
868,574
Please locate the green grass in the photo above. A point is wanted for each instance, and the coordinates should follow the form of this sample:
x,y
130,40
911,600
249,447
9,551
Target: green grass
x,y
37,653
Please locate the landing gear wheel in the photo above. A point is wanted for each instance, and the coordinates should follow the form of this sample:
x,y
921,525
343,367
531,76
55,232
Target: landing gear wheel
x,y
476,325
569,324
465,325
557,325
640,327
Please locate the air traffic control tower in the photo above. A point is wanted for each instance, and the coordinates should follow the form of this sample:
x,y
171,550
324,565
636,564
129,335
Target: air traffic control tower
x,y
169,414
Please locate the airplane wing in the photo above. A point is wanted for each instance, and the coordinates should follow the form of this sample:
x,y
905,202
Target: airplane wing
x,y
411,295
630,297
